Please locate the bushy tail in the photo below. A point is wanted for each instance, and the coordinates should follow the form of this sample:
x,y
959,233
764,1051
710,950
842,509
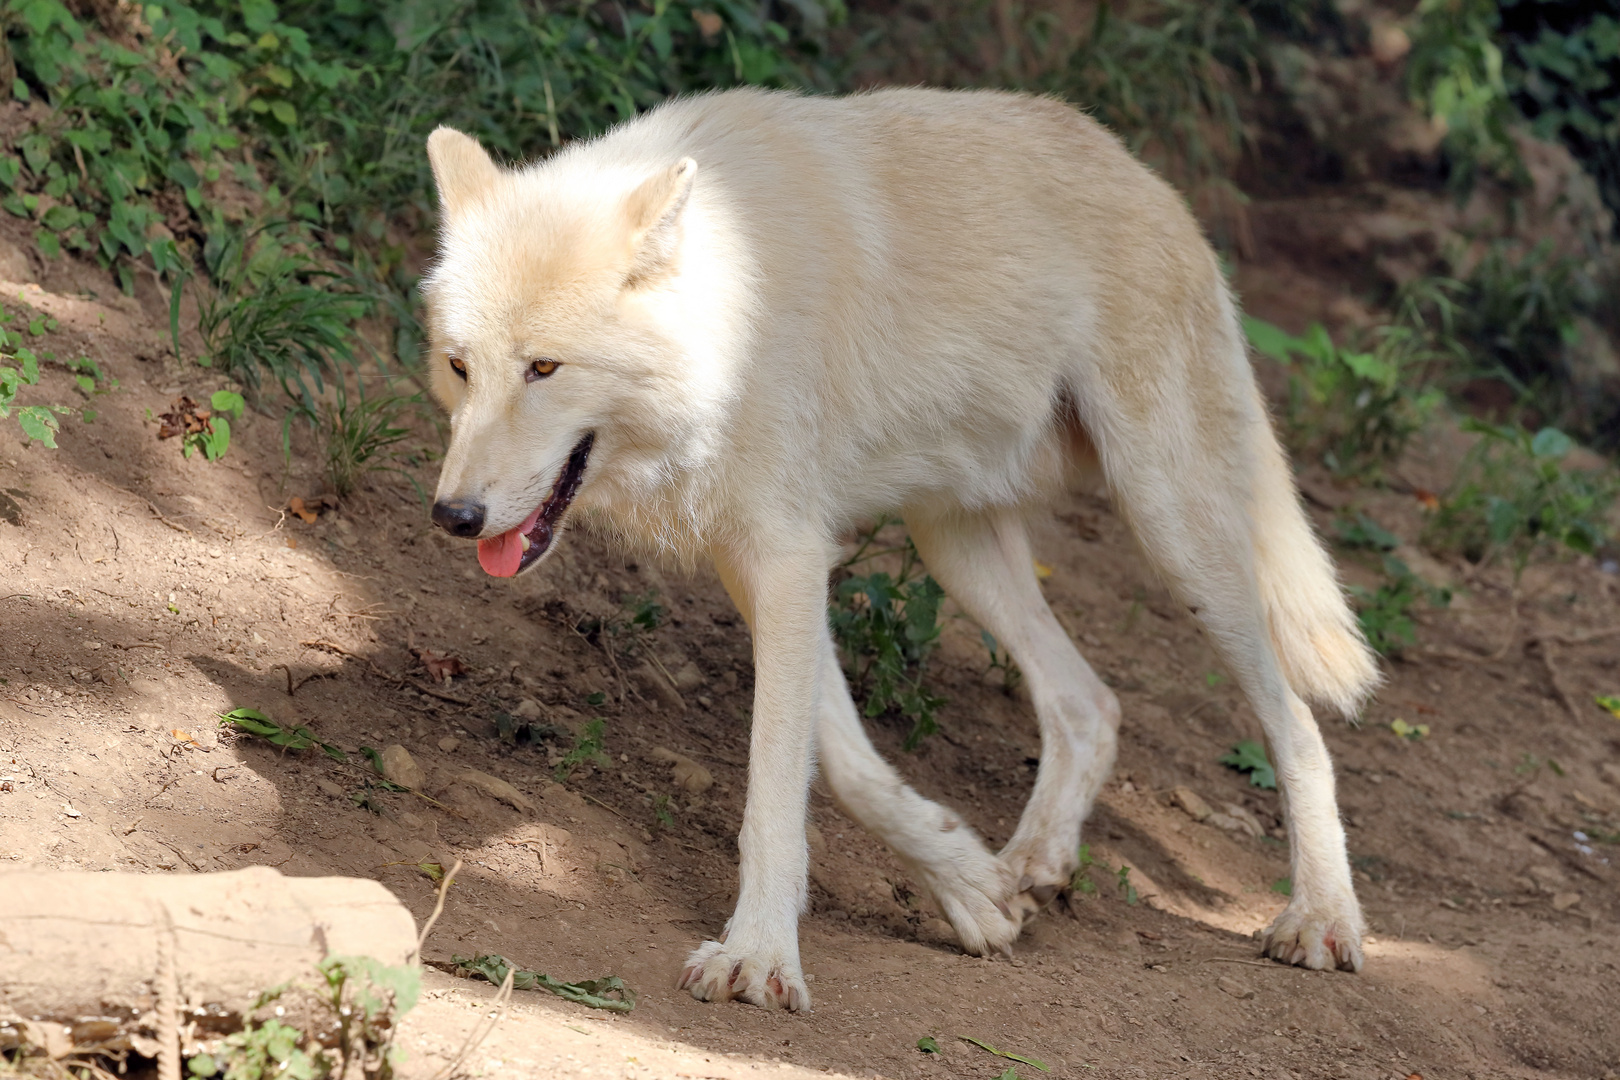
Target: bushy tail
x,y
1323,652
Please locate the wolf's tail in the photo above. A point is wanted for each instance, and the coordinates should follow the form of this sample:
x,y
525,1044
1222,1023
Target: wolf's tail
x,y
1323,652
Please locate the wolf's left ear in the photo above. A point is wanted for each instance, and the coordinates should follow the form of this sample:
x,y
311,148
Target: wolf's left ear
x,y
461,168
654,213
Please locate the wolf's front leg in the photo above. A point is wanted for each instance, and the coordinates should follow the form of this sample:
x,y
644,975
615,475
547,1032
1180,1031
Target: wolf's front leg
x,y
782,595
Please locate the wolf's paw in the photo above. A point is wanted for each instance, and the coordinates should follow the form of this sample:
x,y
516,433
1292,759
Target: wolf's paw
x,y
1316,936
1039,878
974,891
714,972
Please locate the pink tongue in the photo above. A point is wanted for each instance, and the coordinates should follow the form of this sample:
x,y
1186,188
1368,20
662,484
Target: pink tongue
x,y
502,556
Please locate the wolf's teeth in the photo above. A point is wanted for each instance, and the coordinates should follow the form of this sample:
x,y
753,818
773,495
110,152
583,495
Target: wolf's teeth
x,y
525,539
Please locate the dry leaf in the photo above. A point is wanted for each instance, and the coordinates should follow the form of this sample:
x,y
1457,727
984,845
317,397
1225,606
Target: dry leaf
x,y
296,506
708,23
183,418
441,667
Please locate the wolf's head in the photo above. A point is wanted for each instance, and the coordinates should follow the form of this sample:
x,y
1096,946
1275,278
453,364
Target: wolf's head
x,y
550,329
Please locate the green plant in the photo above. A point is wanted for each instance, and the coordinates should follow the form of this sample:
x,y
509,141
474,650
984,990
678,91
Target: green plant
x,y
215,436
1385,613
1561,64
273,311
1080,881
587,747
1001,660
1454,72
1250,757
886,627
1517,309
362,1001
1362,532
19,367
254,722
1122,881
1513,497
358,436
608,993
1167,79
1410,732
1355,410
1022,1059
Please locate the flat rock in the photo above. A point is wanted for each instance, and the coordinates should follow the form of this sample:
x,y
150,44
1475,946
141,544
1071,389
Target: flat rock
x,y
1192,803
497,788
400,768
689,775
1233,987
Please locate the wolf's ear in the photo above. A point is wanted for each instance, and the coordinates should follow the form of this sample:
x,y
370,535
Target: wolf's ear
x,y
654,214
461,168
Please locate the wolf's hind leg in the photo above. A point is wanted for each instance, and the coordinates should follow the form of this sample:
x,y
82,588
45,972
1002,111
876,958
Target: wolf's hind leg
x,y
970,885
984,562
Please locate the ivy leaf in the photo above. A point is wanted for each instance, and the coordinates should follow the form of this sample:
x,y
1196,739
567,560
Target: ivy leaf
x,y
1250,757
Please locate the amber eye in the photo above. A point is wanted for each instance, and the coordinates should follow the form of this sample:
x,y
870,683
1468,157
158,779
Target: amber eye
x,y
541,369
457,366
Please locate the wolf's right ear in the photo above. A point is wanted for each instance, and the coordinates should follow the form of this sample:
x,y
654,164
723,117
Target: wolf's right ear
x,y
461,168
654,212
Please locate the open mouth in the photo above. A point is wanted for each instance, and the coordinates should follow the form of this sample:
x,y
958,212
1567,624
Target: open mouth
x,y
515,550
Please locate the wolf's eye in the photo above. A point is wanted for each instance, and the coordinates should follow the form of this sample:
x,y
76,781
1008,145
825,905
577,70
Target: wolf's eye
x,y
459,367
541,369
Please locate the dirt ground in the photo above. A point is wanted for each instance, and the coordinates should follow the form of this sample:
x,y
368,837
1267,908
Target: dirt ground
x,y
142,594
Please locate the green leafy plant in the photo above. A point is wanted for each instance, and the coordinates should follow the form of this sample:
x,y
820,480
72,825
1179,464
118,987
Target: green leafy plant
x,y
1362,532
362,1001
1283,886
1080,881
1513,497
1122,881
1454,72
608,993
1517,309
1249,757
359,436
1354,410
886,627
1385,613
1409,732
1022,1059
587,747
215,437
928,1044
1167,78
254,722
273,310
20,367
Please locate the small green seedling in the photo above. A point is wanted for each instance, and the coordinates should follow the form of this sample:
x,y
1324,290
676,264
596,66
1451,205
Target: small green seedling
x,y
1009,1055
1609,702
1411,732
1123,882
215,437
609,993
886,627
1080,881
1285,886
588,747
1001,660
1250,757
927,1045
660,807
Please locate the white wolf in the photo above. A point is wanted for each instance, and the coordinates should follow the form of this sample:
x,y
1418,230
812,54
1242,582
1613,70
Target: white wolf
x,y
742,323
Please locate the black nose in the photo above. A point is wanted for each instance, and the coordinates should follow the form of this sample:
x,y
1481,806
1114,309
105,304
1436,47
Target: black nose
x,y
459,518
